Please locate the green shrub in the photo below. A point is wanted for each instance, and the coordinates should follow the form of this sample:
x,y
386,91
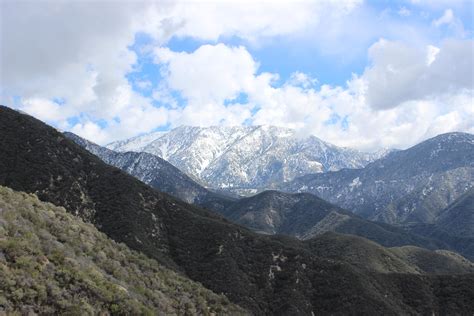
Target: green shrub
x,y
57,264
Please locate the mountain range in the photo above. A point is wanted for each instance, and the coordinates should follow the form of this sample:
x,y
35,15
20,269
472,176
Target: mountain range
x,y
270,212
404,187
153,171
401,187
262,274
245,159
301,215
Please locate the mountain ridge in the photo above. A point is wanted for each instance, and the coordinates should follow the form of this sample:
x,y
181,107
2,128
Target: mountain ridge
x,y
153,171
266,275
411,185
244,159
302,215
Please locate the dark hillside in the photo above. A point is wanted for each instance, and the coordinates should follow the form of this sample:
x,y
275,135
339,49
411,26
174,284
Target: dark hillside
x,y
305,216
301,215
458,218
267,275
157,173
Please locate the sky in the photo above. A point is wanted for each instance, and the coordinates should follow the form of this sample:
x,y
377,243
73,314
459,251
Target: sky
x,y
356,73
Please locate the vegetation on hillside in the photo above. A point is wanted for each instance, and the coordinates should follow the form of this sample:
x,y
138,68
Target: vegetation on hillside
x,y
369,255
52,262
267,275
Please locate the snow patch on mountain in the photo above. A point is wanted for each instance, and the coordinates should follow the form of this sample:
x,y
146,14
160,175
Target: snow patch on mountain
x,y
245,158
136,143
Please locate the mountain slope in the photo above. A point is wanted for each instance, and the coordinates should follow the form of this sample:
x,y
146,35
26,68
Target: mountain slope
x,y
305,216
242,159
301,215
408,186
51,262
369,255
458,218
271,212
455,225
266,275
155,172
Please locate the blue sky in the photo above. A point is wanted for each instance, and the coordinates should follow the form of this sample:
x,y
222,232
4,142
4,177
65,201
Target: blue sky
x,y
285,55
364,74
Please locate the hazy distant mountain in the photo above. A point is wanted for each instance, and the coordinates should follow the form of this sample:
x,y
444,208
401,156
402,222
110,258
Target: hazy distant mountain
x,y
408,186
264,274
242,159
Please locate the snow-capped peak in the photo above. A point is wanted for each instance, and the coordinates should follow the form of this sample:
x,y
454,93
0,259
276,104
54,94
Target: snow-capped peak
x,y
247,157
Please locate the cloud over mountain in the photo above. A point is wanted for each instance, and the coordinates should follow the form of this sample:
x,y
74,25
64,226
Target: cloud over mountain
x,y
117,70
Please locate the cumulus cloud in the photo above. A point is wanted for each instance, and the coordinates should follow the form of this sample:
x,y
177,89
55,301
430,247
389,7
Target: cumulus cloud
x,y
211,73
44,109
77,52
250,19
208,79
400,72
345,115
66,62
446,18
213,77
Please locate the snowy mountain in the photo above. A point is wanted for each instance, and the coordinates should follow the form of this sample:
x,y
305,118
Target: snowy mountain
x,y
300,215
134,143
408,186
155,172
245,159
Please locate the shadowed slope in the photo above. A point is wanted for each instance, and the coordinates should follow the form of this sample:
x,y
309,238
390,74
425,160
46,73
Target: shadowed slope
x,y
271,212
267,275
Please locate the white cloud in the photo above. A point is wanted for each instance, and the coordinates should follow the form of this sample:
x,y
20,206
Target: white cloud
x,y
342,115
406,94
211,80
401,73
211,73
207,114
144,84
303,80
446,18
250,19
45,109
452,23
404,12
77,51
431,54
74,51
90,130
